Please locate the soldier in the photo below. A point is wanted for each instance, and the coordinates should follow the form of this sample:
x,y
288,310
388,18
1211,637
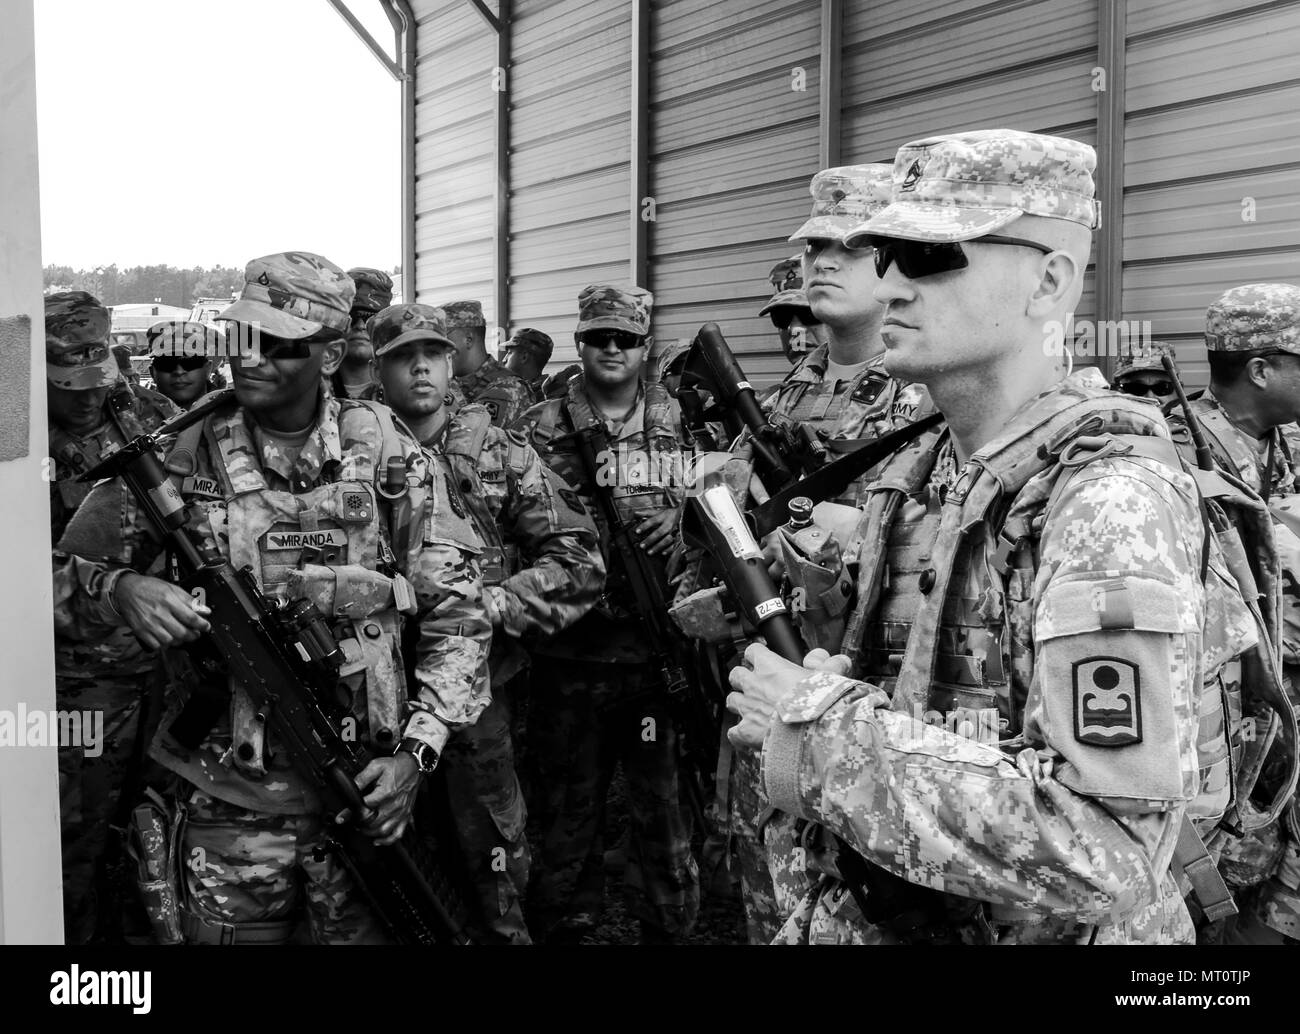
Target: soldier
x,y
526,355
1013,761
355,378
479,377
789,311
92,412
542,571
1252,334
1139,371
276,457
596,701
184,359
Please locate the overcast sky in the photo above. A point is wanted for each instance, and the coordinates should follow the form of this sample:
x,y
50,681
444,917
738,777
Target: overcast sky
x,y
201,133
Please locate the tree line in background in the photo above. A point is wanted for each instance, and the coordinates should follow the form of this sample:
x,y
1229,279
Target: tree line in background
x,y
147,284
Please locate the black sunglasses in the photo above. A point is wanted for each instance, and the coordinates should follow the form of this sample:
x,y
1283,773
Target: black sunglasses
x,y
917,259
623,339
1141,390
273,347
784,317
172,363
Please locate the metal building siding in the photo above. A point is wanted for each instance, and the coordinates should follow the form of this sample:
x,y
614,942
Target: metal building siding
x,y
1212,118
733,146
570,127
456,171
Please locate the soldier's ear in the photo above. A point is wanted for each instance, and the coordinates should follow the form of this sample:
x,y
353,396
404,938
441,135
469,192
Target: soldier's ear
x,y
577,344
333,352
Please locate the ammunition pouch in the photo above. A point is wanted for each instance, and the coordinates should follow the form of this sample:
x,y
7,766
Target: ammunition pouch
x,y
153,841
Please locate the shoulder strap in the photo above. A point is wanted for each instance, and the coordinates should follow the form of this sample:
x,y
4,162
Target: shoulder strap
x,y
468,432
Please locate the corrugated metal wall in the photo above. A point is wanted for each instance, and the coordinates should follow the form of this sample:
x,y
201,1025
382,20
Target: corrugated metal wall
x,y
1212,120
734,144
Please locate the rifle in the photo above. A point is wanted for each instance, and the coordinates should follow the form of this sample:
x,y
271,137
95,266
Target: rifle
x,y
287,660
697,731
781,454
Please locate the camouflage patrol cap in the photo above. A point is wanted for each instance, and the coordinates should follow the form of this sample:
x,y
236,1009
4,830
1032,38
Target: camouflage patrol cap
x,y
534,341
1142,356
464,314
963,186
185,337
412,321
293,294
787,274
845,197
609,307
1254,317
77,356
794,299
374,289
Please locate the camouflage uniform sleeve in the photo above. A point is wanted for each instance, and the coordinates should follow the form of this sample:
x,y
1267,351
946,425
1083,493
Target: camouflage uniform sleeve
x,y
558,541
507,399
455,634
1078,818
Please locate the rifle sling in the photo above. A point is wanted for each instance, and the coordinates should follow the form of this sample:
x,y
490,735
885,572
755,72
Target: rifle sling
x,y
836,476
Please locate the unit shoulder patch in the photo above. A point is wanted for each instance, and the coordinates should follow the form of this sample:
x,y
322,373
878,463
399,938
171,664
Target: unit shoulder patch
x,y
1107,702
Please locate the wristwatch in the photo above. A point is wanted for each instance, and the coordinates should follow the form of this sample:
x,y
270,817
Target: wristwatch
x,y
425,756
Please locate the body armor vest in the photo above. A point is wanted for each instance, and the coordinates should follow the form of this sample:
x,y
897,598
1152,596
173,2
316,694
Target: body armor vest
x,y
483,483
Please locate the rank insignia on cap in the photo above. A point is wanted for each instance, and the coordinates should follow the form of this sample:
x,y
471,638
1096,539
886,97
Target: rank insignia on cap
x,y
1107,702
913,175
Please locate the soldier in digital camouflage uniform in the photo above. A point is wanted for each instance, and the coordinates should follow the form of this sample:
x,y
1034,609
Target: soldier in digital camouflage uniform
x,y
542,570
1018,745
526,355
479,377
841,390
285,478
92,412
355,378
596,701
1252,335
789,311
1139,371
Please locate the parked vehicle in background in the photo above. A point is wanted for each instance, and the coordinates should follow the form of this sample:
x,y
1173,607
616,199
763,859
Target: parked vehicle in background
x,y
205,310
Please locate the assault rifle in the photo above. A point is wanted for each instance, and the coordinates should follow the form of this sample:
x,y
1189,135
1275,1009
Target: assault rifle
x,y
286,658
691,714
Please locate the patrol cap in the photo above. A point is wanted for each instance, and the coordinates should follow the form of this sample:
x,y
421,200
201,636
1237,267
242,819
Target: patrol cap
x,y
1254,317
531,340
464,314
966,185
374,289
845,197
794,299
411,321
185,337
294,294
787,274
1143,356
610,307
77,356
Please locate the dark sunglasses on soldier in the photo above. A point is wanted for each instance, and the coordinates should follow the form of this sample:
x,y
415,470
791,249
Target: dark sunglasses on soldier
x,y
1142,390
917,259
784,317
623,339
172,363
273,347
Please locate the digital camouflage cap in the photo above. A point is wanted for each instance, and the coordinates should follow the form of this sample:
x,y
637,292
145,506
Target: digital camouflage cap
x,y
77,356
530,340
1254,317
844,197
464,314
610,307
398,324
966,185
293,294
1142,356
374,290
185,337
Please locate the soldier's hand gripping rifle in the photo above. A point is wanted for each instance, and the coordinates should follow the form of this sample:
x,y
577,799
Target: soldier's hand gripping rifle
x,y
691,713
287,660
781,455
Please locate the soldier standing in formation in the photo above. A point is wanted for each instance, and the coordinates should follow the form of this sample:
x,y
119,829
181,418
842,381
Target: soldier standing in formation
x,y
479,377
526,355
542,570
355,377
789,311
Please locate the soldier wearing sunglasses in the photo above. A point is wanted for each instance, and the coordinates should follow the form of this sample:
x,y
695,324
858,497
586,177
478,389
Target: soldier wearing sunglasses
x,y
184,358
789,311
1139,371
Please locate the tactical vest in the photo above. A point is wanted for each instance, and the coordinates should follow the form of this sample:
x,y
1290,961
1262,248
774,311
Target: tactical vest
x,y
324,544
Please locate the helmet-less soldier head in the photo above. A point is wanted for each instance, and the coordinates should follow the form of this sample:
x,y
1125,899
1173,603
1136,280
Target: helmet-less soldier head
x,y
184,356
467,328
80,370
1252,336
789,311
838,280
526,355
415,356
1140,372
355,377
